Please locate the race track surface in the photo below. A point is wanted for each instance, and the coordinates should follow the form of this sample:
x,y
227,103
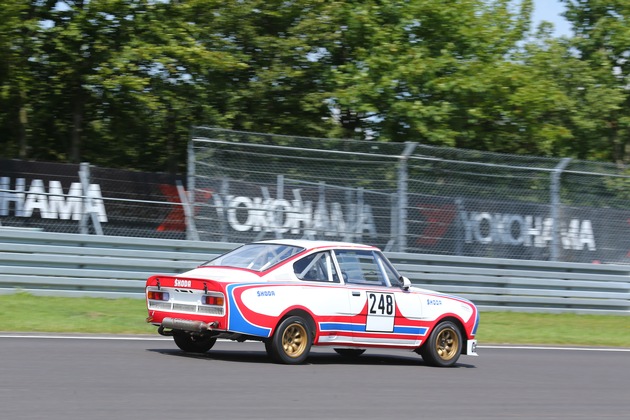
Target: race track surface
x,y
57,378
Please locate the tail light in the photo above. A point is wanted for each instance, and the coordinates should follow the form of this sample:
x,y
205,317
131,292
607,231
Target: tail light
x,y
155,295
212,300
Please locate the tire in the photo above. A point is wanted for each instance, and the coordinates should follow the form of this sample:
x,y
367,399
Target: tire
x,y
444,345
291,342
193,343
350,353
268,348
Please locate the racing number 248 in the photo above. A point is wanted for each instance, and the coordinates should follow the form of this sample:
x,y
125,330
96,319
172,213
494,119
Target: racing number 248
x,y
381,303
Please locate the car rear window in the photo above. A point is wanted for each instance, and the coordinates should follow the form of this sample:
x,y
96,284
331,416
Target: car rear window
x,y
257,257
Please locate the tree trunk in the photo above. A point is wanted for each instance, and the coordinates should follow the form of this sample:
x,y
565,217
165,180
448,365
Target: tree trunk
x,y
22,130
77,128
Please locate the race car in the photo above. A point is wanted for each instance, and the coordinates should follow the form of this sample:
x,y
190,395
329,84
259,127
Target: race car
x,y
294,294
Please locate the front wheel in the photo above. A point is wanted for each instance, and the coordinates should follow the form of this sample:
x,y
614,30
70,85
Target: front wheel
x,y
444,345
291,342
193,343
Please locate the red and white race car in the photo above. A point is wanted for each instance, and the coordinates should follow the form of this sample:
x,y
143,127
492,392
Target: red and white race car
x,y
294,294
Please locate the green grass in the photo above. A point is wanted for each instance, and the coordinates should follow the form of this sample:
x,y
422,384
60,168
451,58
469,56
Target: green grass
x,y
26,313
22,312
561,329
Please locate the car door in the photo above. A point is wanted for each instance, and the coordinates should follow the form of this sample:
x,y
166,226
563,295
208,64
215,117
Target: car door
x,y
379,308
323,293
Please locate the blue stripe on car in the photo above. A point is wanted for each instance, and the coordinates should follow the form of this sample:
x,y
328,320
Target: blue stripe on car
x,y
474,330
337,326
237,322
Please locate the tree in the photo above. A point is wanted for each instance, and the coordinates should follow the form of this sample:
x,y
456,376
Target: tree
x,y
417,70
120,82
602,45
131,76
18,82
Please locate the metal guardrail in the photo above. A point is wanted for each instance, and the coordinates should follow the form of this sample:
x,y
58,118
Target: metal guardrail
x,y
61,264
524,286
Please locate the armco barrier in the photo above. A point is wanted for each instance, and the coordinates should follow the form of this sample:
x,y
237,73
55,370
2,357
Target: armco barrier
x,y
88,265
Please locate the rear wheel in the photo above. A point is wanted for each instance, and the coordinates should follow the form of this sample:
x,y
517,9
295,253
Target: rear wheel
x,y
444,345
291,342
350,353
193,343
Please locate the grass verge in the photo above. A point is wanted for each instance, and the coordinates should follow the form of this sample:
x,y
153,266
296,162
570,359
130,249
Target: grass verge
x,y
22,312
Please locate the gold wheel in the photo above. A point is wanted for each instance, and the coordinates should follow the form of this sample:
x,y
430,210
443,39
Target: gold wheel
x,y
447,344
294,340
444,345
291,342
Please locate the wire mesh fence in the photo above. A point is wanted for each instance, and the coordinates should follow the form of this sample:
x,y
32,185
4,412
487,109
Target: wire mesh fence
x,y
264,187
403,197
407,197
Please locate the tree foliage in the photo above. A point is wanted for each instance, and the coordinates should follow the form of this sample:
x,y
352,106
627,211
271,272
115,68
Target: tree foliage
x,y
119,83
602,46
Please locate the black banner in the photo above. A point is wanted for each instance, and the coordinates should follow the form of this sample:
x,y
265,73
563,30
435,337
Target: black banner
x,y
50,197
517,230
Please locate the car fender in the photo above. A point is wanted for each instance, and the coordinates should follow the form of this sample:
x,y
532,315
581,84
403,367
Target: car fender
x,y
256,309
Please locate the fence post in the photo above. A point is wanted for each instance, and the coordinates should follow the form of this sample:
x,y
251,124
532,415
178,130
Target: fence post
x,y
555,206
225,191
278,215
87,203
403,199
84,177
191,229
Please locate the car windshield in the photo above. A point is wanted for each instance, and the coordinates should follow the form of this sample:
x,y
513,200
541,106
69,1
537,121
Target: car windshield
x,y
257,257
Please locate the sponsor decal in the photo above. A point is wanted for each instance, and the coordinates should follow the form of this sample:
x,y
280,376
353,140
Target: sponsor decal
x,y
438,219
51,204
175,220
296,216
494,228
528,230
183,283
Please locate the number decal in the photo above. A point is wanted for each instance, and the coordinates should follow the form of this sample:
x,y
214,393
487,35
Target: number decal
x,y
381,311
381,303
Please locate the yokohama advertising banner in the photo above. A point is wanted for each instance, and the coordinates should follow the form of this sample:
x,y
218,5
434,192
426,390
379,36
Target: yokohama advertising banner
x,y
238,211
503,229
51,197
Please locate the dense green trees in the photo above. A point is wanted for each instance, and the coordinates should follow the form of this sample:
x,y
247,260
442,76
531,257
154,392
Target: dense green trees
x,y
120,82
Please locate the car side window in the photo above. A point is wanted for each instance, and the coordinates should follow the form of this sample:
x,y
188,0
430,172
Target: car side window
x,y
390,273
360,267
316,267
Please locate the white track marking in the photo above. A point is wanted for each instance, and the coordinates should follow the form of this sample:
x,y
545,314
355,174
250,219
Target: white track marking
x,y
509,347
150,338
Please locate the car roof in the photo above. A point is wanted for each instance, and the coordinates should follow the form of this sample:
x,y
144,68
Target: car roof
x,y
311,244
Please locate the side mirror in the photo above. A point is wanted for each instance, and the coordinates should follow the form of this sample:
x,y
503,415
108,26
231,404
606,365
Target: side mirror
x,y
405,283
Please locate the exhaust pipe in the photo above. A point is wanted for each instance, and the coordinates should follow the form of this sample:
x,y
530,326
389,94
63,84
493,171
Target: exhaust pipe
x,y
187,325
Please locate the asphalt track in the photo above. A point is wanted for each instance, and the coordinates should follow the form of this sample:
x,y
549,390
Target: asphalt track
x,y
59,377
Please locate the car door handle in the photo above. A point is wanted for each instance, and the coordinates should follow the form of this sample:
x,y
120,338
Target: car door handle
x,y
356,293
